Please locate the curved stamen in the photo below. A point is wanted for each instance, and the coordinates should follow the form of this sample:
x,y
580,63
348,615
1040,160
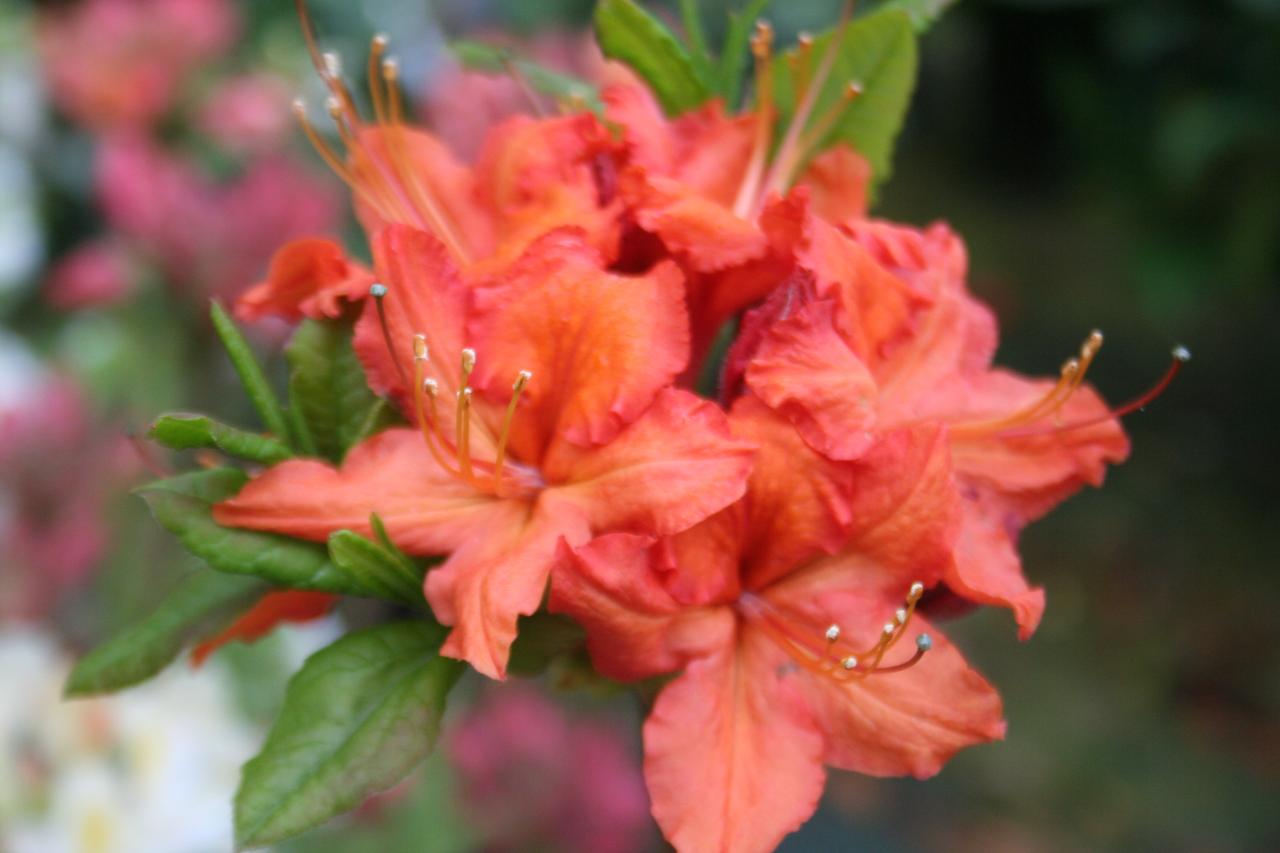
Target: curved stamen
x,y
1180,356
522,379
761,51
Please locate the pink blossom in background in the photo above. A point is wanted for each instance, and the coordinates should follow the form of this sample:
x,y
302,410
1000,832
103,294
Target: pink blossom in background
x,y
97,273
210,239
249,113
58,471
460,106
531,777
114,63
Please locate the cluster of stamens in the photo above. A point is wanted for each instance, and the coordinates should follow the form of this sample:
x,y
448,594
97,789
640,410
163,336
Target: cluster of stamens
x,y
802,137
833,657
1043,416
382,175
455,456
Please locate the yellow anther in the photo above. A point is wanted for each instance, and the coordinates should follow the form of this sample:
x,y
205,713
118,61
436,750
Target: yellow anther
x,y
420,351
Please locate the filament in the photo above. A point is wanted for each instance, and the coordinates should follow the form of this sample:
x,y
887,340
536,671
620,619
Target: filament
x,y
761,50
522,379
379,292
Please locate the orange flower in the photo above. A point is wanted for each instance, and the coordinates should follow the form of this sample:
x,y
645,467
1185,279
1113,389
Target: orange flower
x,y
311,277
878,333
558,421
785,613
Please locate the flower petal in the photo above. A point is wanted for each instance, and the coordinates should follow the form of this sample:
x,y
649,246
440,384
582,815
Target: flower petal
x,y
497,575
732,760
600,345
425,509
894,723
671,468
274,608
988,570
308,278
613,586
838,179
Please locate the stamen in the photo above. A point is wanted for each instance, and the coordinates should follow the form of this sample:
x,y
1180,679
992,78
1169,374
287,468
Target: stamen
x,y
522,379
428,421
762,52
801,63
309,35
379,292
1180,356
813,137
462,423
787,158
376,48
835,659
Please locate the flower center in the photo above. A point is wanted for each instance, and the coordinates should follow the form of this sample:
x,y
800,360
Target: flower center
x,y
382,175
827,653
1030,419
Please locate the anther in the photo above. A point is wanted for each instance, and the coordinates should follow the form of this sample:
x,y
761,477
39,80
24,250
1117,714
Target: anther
x,y
924,642
900,615
917,590
833,633
849,663
1181,353
889,628
380,40
377,291
332,64
420,350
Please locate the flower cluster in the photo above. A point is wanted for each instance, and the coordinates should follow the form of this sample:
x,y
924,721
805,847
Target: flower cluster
x,y
771,549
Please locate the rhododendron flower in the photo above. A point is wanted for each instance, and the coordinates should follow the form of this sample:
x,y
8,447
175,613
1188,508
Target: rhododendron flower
x,y
879,332
248,114
531,776
311,277
58,469
556,422
121,63
96,273
784,613
212,238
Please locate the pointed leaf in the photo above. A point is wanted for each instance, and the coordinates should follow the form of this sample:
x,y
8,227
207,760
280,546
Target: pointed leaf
x,y
924,13
356,719
631,35
327,386
180,431
250,372
373,566
879,52
477,56
184,506
201,604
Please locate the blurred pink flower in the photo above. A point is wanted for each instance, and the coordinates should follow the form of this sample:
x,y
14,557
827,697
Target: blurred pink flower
x,y
210,239
533,778
98,272
460,106
248,113
58,469
112,63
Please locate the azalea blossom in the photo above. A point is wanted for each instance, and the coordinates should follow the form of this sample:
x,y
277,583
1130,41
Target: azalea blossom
x,y
114,64
784,615
876,331
543,410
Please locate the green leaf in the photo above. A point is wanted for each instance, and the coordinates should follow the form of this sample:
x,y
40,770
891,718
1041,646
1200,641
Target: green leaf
x,y
327,386
631,35
185,432
540,640
250,372
698,53
184,506
478,56
733,56
356,719
924,13
879,52
375,566
201,604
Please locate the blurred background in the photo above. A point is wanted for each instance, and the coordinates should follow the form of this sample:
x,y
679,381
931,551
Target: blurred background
x,y
1110,164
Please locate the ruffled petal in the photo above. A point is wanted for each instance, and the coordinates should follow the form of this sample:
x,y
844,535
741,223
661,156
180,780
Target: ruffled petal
x,y
273,609
311,277
732,760
806,371
425,509
600,345
674,466
540,175
988,570
1030,469
798,504
498,575
894,723
838,179
613,586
